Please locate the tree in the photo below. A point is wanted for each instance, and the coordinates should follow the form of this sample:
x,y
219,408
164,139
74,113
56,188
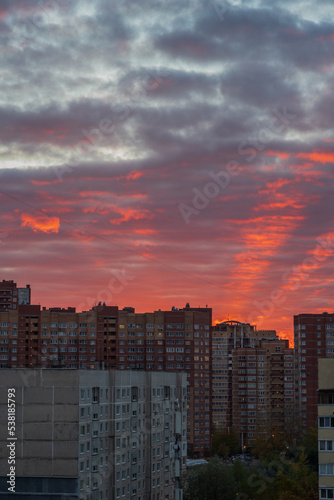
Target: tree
x,y
300,482
310,445
244,476
261,447
212,481
225,443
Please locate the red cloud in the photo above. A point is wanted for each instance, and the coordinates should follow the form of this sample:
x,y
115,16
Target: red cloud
x,y
133,175
317,156
130,214
44,224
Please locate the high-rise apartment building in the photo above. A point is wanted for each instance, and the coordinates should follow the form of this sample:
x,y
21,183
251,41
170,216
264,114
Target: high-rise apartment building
x,y
176,340
226,337
173,341
94,434
262,398
252,380
279,384
326,427
314,339
11,296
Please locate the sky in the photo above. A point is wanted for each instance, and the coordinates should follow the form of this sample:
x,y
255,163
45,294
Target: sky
x,y
155,153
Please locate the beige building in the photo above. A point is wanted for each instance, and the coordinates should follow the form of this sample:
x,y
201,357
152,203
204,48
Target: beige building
x,y
326,427
95,434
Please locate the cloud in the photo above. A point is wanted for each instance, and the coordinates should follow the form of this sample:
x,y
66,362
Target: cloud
x,y
44,224
113,114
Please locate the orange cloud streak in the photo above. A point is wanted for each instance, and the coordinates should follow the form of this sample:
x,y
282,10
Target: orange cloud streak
x,y
317,156
44,224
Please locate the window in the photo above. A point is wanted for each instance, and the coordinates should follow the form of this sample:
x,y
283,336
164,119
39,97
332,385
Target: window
x,y
326,469
96,394
326,421
326,398
326,445
326,492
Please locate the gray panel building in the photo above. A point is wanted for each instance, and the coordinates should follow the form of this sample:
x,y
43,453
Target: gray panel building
x,y
94,434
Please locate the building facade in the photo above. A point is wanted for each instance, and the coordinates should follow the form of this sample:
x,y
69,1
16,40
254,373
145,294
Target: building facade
x,y
326,427
252,380
280,384
227,338
314,339
96,434
168,341
11,296
262,386
176,340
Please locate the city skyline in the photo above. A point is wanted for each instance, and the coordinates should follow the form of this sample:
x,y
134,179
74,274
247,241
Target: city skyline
x,y
154,155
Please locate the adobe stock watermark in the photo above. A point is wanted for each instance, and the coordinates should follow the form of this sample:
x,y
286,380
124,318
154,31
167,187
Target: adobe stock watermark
x,y
255,144
273,468
220,180
119,281
294,278
25,26
251,146
106,127
221,9
27,375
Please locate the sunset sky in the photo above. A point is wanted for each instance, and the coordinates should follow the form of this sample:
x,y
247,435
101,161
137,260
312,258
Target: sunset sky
x,y
155,153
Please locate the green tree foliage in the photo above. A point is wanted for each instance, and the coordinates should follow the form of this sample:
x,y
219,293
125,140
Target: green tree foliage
x,y
278,475
310,445
224,443
243,476
213,481
300,482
